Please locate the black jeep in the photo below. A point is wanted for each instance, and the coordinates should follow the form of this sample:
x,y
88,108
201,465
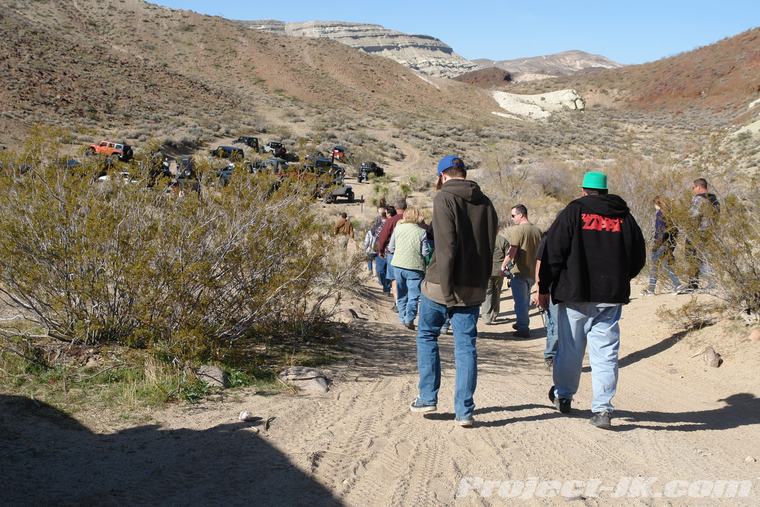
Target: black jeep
x,y
251,141
227,152
368,168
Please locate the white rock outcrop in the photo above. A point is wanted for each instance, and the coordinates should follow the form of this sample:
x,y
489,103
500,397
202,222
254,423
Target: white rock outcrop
x,y
538,106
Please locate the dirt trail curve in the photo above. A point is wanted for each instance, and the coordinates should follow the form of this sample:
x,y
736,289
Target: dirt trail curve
x,y
680,429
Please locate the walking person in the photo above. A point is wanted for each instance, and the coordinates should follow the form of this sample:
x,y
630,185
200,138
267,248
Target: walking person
x,y
370,249
344,231
663,245
380,263
382,245
593,250
704,210
465,225
550,314
521,262
409,245
492,305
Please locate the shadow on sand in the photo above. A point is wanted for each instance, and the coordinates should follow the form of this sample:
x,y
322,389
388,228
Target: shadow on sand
x,y
49,458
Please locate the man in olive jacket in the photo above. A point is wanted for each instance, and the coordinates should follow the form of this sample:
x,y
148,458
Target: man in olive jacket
x,y
593,250
465,226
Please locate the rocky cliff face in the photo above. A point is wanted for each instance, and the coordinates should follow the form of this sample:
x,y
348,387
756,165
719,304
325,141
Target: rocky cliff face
x,y
419,52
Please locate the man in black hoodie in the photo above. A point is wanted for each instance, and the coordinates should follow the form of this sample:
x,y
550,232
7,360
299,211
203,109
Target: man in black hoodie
x,y
465,226
593,250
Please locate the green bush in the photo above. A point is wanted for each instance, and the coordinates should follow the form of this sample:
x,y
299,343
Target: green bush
x,y
87,261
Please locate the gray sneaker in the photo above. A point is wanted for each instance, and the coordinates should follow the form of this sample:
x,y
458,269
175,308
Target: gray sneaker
x,y
465,423
420,407
601,420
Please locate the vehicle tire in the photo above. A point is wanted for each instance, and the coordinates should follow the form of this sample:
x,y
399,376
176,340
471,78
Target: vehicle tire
x,y
350,196
329,199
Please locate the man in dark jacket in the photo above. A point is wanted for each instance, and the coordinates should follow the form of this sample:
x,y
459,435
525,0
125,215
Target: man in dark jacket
x,y
593,250
382,245
465,226
704,211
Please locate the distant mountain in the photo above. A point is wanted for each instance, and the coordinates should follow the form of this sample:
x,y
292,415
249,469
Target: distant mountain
x,y
423,53
560,64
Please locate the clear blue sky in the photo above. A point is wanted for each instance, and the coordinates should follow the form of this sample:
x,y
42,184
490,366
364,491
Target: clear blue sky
x,y
626,32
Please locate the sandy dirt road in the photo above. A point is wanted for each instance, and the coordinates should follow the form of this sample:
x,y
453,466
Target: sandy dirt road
x,y
680,428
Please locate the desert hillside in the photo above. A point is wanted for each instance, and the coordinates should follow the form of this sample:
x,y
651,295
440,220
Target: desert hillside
x,y
145,73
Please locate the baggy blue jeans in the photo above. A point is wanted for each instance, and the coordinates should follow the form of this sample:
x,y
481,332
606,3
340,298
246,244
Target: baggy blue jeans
x,y
389,271
552,337
521,294
598,326
464,322
408,283
380,269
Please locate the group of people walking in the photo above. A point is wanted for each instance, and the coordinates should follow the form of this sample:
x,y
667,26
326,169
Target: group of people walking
x,y
590,254
452,272
703,212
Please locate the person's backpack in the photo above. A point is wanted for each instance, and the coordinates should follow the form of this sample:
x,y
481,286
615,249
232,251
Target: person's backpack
x,y
375,235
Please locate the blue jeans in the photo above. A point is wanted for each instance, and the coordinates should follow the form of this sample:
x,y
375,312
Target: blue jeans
x,y
661,258
579,324
389,271
408,283
552,337
464,321
521,294
380,269
370,258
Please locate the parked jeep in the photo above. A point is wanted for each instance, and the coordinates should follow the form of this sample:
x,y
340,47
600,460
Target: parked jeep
x,y
186,180
328,179
121,150
339,152
275,148
227,152
368,168
253,142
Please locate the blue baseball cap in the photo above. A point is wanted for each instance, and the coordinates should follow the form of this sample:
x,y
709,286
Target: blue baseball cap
x,y
447,163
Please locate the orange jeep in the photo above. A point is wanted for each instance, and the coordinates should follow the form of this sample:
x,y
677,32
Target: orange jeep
x,y
121,150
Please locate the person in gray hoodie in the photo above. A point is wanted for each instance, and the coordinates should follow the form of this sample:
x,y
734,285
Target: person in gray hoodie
x,y
465,226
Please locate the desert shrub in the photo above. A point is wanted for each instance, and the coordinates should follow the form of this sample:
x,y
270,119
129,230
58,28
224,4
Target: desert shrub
x,y
86,261
730,249
556,179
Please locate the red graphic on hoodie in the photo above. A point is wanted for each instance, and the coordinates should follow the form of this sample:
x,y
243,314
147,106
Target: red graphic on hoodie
x,y
594,222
